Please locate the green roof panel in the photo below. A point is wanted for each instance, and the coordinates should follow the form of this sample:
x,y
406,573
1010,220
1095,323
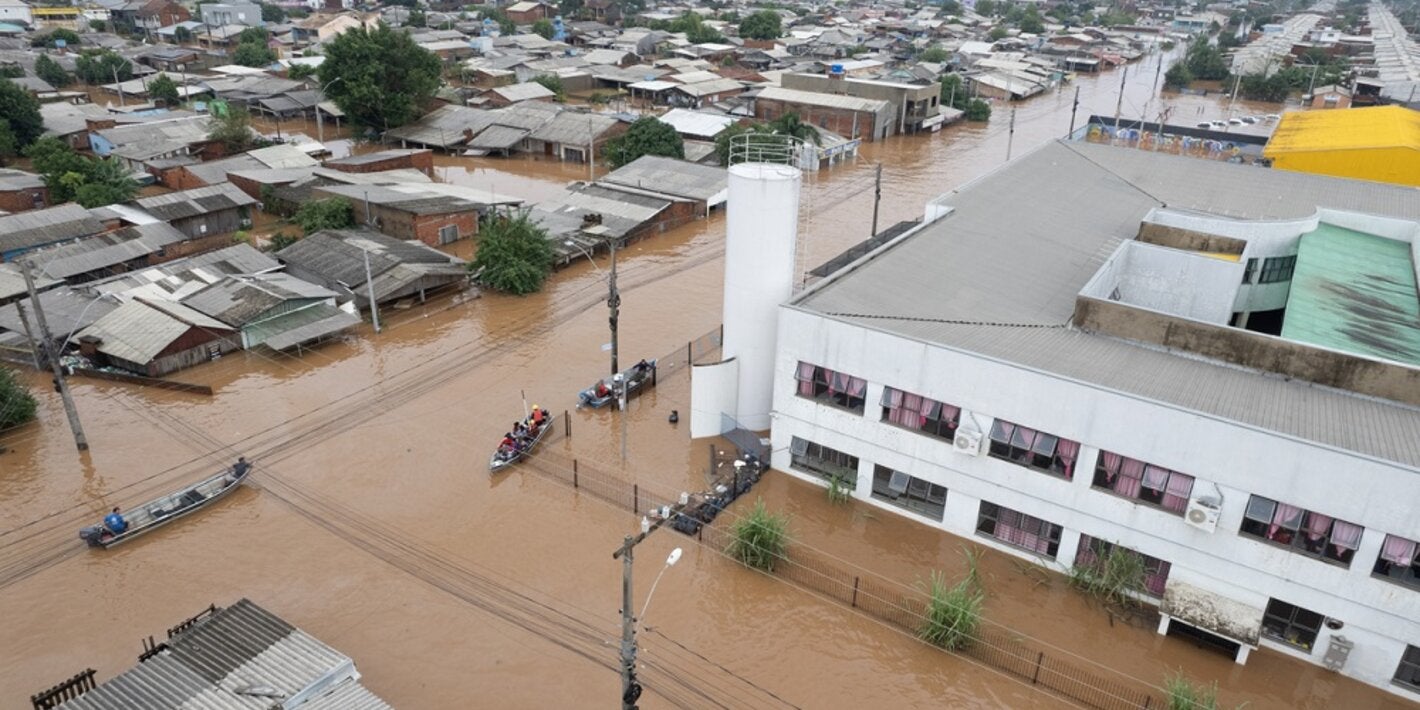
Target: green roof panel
x,y
1355,292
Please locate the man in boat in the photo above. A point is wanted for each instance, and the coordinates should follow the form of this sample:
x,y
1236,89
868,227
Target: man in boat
x,y
539,416
238,470
115,523
508,444
602,389
642,369
520,430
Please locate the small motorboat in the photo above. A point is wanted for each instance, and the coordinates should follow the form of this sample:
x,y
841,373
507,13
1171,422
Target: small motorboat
x,y
502,458
157,513
603,392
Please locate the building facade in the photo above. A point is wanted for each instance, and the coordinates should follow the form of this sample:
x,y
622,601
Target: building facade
x,y
959,377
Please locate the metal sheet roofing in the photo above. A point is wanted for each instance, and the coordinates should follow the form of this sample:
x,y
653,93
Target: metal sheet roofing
x,y
573,128
527,91
241,646
55,224
999,275
138,331
1355,292
1352,129
673,177
303,326
240,299
498,138
697,124
811,98
197,201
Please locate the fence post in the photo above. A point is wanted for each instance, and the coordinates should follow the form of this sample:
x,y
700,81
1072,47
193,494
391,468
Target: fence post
x,y
1147,700
688,359
1038,660
855,591
575,484
567,421
635,497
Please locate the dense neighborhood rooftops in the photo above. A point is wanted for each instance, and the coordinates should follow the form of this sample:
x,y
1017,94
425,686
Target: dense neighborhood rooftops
x,y
197,201
811,98
139,330
55,224
1002,282
672,177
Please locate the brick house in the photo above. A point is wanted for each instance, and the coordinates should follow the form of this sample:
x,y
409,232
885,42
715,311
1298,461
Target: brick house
x,y
378,162
407,212
21,191
848,116
528,12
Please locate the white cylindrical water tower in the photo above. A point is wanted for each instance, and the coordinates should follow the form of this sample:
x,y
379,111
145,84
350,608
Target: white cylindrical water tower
x,y
761,226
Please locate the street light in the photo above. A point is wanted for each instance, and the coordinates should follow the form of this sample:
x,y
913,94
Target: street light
x,y
670,562
320,124
613,299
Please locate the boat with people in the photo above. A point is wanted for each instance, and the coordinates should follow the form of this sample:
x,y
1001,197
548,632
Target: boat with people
x,y
120,526
520,442
637,377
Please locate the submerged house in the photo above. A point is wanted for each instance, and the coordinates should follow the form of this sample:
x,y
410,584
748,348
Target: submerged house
x,y
397,269
154,337
277,310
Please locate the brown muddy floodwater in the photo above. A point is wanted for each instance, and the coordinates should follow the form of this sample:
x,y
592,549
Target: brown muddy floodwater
x,y
372,521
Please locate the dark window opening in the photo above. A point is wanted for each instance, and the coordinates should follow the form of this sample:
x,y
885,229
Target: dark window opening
x,y
1291,624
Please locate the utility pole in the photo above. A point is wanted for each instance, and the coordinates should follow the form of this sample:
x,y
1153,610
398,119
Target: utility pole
x,y
370,288
613,303
630,689
119,85
1073,108
877,197
591,151
29,335
60,383
1011,134
1119,105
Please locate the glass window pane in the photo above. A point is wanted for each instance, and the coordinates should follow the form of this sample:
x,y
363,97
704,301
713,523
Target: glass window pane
x,y
1260,509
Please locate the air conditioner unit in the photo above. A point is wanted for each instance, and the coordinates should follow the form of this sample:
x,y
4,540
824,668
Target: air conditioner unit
x,y
968,442
1202,514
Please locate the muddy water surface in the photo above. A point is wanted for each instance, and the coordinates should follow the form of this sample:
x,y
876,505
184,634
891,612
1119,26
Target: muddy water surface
x,y
373,524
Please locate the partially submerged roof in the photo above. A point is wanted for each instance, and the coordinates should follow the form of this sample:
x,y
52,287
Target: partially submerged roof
x,y
669,176
239,299
104,251
139,331
812,98
47,226
1355,292
239,647
197,201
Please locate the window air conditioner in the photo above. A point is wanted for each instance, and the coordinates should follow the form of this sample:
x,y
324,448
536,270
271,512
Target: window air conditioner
x,y
1202,514
967,442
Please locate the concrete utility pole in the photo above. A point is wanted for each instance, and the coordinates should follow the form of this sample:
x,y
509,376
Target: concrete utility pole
x,y
591,151
119,85
630,689
60,383
370,288
877,197
1119,105
613,303
1073,108
1011,134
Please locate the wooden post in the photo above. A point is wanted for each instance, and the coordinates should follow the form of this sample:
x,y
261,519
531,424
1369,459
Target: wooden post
x,y
575,483
688,352
567,422
855,592
1038,660
635,497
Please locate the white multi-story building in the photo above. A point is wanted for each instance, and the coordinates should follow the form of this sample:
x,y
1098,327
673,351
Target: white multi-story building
x,y
1212,365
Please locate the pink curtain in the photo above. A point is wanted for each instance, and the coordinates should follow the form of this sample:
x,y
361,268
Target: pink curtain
x,y
857,386
805,376
1131,475
1001,431
1345,536
1286,514
1399,551
1068,451
1156,580
837,381
1085,555
1179,489
1155,478
1317,525
1111,465
950,413
892,399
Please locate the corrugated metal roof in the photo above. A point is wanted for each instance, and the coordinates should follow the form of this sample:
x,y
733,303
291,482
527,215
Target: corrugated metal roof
x,y
1352,129
498,138
237,300
810,98
56,224
671,177
999,276
527,91
197,201
138,331
305,325
694,123
209,666
570,128
337,256
104,250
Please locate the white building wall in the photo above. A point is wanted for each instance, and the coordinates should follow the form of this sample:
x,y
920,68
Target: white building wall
x,y
16,14
1380,617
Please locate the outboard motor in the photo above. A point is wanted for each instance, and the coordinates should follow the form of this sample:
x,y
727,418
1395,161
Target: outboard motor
x,y
92,535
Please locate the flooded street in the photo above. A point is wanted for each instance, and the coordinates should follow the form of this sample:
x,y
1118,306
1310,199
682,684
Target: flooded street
x,y
372,523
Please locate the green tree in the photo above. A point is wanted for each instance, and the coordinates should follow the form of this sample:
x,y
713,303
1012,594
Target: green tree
x,y
934,55
11,71
8,148
513,256
997,33
98,25
543,28
954,93
1030,21
385,78
647,136
19,112
107,183
281,240
183,35
978,110
765,24
570,8
300,71
985,8
951,7
696,32
102,66
1258,87
417,18
1178,76
70,37
330,213
553,83
53,74
233,130
272,13
163,88
1206,61
17,405
252,50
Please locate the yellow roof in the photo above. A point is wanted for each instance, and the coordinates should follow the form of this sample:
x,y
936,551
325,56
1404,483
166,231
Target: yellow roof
x,y
1343,129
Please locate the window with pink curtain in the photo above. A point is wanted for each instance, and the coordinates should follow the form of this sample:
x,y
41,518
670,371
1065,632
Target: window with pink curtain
x,y
1285,522
1068,451
1130,479
1092,553
1398,550
1398,562
805,376
1019,529
1302,531
1143,482
1179,489
1345,538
